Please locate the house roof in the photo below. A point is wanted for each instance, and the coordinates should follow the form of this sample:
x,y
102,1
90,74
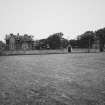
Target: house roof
x,y
24,37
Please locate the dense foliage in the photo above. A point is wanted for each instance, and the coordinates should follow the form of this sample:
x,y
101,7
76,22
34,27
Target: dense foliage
x,y
54,41
86,39
100,34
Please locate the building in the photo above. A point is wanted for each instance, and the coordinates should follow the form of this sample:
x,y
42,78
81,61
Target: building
x,y
18,42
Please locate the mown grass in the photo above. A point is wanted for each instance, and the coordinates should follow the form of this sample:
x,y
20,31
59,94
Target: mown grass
x,y
60,79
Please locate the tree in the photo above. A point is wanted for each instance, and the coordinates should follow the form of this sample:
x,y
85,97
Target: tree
x,y
74,43
43,43
86,39
64,42
54,41
100,34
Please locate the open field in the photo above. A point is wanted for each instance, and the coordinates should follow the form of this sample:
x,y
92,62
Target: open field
x,y
55,79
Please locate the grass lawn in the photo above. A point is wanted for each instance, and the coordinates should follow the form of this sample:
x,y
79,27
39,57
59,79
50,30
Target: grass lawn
x,y
55,79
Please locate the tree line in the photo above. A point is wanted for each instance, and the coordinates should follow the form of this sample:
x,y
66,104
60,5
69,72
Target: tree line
x,y
85,40
54,41
88,38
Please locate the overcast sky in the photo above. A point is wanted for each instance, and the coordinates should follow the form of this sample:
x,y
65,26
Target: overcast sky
x,y
44,17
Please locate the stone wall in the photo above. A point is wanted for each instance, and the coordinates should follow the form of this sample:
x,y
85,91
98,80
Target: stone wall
x,y
34,52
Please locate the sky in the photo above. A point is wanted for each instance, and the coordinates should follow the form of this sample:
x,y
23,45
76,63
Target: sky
x,y
42,18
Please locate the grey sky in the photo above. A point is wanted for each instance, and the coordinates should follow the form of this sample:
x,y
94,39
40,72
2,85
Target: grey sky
x,y
44,17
